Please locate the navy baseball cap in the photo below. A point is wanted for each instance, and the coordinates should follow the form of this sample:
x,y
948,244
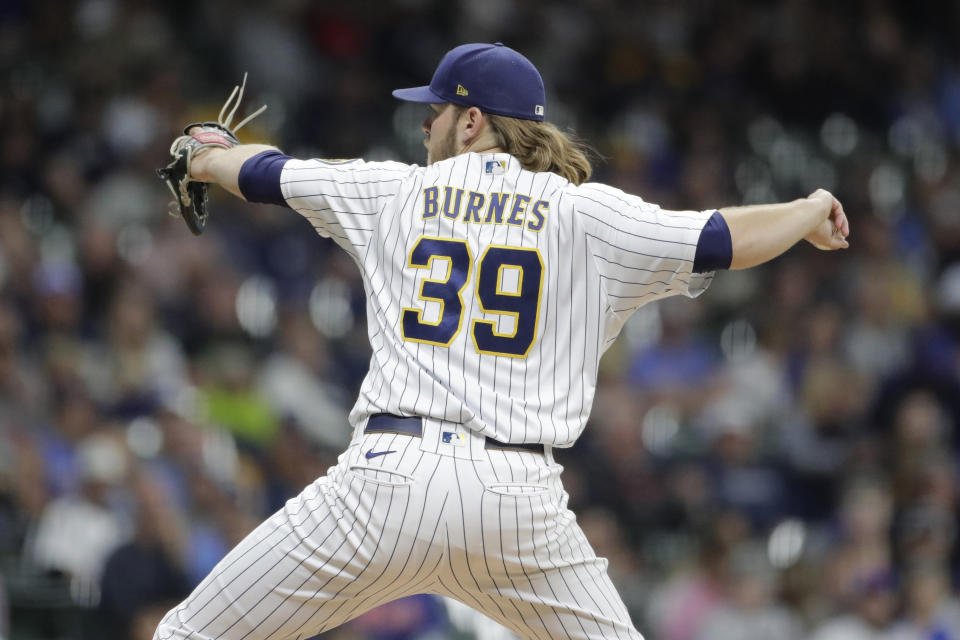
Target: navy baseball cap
x,y
492,77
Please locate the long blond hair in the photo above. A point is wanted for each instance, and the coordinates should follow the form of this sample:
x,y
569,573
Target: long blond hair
x,y
541,146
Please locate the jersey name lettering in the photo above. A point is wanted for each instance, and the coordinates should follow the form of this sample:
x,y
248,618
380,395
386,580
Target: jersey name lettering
x,y
514,209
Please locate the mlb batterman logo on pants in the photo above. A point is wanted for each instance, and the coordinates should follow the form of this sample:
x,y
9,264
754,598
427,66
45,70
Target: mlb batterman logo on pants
x,y
495,281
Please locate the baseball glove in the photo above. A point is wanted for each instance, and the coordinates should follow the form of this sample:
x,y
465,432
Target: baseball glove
x,y
190,196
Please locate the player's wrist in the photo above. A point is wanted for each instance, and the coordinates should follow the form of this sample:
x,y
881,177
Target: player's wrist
x,y
820,202
201,163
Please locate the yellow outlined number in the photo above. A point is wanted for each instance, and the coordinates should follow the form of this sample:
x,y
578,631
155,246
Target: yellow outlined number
x,y
521,301
446,291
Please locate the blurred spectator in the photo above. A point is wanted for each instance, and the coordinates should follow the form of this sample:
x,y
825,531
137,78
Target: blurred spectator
x,y
871,611
829,437
609,541
293,462
860,548
922,429
931,613
926,534
876,341
679,365
75,419
741,476
77,532
293,381
684,602
750,610
21,383
216,524
57,303
230,398
23,489
147,570
142,367
616,457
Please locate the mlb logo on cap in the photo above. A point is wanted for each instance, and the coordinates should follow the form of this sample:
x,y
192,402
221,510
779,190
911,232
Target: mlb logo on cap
x,y
502,82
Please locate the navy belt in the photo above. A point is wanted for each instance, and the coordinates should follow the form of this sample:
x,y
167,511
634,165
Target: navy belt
x,y
413,426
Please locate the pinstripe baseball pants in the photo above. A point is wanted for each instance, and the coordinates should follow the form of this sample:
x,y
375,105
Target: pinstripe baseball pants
x,y
489,528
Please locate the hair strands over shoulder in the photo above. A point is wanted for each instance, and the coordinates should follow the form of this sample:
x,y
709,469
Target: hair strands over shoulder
x,y
541,146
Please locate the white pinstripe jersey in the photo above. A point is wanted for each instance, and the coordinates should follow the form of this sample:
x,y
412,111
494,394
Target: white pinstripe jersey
x,y
493,291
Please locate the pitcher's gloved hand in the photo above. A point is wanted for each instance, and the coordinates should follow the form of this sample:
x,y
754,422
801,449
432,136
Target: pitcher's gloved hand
x,y
190,196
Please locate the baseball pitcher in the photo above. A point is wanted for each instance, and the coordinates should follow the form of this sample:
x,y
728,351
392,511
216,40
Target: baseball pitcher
x,y
496,276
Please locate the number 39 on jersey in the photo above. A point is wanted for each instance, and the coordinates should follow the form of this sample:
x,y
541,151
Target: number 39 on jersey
x,y
508,281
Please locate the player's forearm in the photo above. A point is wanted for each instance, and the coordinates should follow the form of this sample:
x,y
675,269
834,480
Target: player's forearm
x,y
759,233
222,166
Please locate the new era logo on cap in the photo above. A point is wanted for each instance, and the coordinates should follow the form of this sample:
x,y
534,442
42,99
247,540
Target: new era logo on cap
x,y
502,82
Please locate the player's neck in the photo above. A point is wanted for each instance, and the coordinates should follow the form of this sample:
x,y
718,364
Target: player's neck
x,y
481,144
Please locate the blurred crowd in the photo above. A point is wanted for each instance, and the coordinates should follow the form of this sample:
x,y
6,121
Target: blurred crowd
x,y
777,459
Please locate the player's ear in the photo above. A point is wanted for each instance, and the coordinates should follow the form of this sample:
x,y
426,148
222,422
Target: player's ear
x,y
472,121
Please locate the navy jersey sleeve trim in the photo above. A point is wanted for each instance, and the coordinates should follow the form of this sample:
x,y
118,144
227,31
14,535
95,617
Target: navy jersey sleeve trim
x,y
714,248
259,178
